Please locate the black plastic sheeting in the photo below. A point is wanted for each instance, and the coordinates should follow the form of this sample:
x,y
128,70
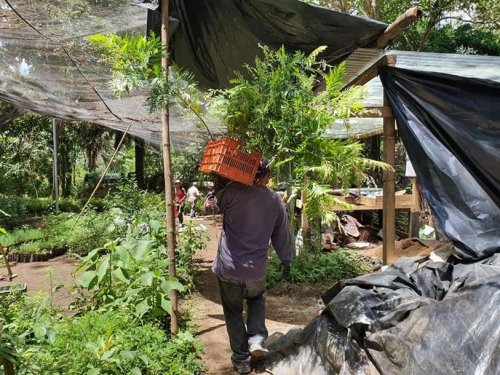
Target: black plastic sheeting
x,y
450,127
417,317
215,38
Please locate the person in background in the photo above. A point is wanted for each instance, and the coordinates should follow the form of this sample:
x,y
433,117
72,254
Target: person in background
x,y
193,194
210,201
253,216
180,197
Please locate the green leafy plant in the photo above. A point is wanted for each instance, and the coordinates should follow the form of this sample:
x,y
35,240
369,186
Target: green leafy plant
x,y
131,273
278,111
97,342
191,239
316,267
111,342
135,64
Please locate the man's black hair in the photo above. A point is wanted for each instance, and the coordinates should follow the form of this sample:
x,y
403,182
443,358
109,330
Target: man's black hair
x,y
263,168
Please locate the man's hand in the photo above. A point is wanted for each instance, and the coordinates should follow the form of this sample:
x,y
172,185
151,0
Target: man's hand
x,y
285,272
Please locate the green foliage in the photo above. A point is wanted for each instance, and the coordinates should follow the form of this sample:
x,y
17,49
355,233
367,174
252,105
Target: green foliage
x,y
23,206
111,343
132,201
104,342
277,111
186,164
74,9
315,267
134,59
19,236
25,165
135,64
26,149
333,163
464,39
440,29
64,232
132,273
191,239
28,320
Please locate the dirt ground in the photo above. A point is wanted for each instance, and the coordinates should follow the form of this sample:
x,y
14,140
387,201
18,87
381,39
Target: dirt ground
x,y
403,248
45,276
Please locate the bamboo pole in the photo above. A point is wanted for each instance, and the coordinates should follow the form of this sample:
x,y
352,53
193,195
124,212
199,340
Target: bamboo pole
x,y
167,171
389,203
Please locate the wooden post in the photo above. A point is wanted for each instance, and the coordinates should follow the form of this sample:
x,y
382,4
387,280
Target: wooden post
x,y
139,162
415,210
389,204
167,173
55,183
3,253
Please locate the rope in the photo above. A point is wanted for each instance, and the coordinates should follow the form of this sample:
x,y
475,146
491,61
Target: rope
x,y
102,176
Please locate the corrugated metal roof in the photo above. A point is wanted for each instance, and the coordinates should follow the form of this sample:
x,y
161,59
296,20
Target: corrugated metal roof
x,y
473,66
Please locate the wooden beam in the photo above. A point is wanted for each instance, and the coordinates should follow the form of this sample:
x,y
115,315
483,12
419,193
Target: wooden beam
x,y
373,112
389,203
395,28
372,133
372,71
415,209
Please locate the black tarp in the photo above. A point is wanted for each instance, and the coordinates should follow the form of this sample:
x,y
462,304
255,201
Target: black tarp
x,y
450,127
215,38
417,317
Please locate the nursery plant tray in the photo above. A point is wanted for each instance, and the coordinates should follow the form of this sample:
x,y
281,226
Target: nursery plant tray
x,y
13,288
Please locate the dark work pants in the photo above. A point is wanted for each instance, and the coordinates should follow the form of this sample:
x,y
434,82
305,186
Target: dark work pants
x,y
233,292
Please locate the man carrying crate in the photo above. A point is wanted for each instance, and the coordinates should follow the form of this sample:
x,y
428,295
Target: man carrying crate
x,y
253,216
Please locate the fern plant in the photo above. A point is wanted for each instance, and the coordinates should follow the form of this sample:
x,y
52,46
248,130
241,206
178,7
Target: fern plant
x,y
275,108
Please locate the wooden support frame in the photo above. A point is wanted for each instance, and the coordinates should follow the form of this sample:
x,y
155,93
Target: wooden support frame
x,y
371,72
394,29
389,190
415,210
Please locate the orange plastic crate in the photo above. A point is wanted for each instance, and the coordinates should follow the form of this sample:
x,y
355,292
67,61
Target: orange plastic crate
x,y
226,158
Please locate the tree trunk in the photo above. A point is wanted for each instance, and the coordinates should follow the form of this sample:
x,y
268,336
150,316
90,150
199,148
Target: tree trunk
x,y
291,207
139,163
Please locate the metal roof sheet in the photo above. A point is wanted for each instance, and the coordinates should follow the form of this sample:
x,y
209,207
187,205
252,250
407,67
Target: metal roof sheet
x,y
472,66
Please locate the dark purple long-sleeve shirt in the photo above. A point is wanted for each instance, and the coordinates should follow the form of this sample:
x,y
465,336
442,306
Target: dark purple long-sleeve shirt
x,y
253,216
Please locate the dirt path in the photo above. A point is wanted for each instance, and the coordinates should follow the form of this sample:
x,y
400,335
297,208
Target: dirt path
x,y
284,311
43,276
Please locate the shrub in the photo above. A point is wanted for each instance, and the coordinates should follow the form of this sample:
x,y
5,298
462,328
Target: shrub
x,y
104,342
130,273
63,232
111,342
317,267
191,239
